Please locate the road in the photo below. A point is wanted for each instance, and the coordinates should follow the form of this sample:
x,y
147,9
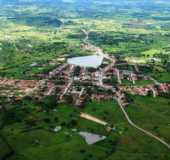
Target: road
x,y
86,34
139,128
66,89
94,48
70,82
154,80
100,52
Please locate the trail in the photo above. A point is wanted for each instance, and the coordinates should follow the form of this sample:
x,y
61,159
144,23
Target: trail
x,y
154,80
92,118
100,52
139,128
94,48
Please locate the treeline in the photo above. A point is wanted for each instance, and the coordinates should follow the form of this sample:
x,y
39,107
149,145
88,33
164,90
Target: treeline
x,y
37,20
130,43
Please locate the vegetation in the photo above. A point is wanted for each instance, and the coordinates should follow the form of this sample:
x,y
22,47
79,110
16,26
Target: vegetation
x,y
27,124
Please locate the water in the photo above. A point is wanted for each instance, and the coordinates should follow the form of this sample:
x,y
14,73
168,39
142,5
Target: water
x,y
91,138
93,61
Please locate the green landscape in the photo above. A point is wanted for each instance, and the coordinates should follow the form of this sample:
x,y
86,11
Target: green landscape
x,y
49,96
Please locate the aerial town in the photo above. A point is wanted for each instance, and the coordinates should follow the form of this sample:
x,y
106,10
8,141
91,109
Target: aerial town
x,y
84,80
81,82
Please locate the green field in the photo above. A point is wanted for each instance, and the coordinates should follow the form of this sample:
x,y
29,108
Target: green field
x,y
40,38
40,142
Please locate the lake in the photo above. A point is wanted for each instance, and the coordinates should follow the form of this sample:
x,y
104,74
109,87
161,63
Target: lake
x,y
93,61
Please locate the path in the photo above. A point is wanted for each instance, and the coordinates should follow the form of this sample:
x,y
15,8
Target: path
x,y
94,48
92,118
154,80
139,128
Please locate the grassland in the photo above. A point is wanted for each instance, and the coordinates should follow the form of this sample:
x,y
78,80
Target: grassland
x,y
40,142
22,45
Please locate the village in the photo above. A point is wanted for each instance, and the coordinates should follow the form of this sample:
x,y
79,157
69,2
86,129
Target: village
x,y
96,77
84,80
80,83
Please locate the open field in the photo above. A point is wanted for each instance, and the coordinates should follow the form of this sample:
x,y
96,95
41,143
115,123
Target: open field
x,y
41,142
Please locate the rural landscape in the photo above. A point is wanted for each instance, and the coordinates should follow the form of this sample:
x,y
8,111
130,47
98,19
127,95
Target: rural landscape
x,y
84,80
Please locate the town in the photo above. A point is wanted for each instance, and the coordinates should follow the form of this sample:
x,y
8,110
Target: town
x,y
84,80
78,82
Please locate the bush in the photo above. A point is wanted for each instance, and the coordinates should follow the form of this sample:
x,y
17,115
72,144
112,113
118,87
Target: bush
x,y
48,102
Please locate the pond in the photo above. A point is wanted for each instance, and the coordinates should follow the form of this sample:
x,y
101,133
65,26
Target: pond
x,y
91,138
93,61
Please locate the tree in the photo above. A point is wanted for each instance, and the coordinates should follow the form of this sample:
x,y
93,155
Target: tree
x,y
69,99
77,71
4,114
49,102
168,66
